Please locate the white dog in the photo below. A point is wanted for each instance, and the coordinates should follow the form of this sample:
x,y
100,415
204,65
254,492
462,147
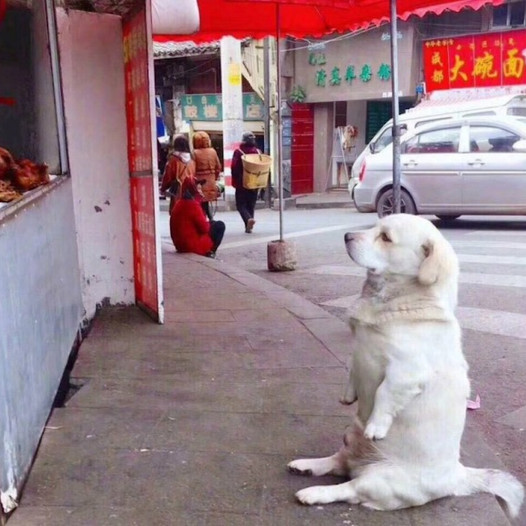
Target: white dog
x,y
409,377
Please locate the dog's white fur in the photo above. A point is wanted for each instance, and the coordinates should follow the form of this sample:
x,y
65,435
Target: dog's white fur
x,y
409,376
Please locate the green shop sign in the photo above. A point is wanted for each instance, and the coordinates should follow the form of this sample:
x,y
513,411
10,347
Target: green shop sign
x,y
324,76
209,107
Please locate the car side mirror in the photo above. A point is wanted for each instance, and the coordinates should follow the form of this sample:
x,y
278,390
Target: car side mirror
x,y
520,146
371,146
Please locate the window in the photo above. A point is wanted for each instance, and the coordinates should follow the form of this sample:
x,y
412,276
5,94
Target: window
x,y
517,111
28,119
491,139
340,113
443,140
431,121
479,114
384,140
511,14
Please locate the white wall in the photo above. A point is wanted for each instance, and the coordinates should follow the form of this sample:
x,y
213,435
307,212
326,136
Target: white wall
x,y
40,314
92,67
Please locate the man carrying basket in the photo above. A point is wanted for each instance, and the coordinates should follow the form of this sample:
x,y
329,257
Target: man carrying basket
x,y
245,197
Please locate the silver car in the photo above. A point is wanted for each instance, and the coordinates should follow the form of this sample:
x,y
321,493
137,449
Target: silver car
x,y
462,166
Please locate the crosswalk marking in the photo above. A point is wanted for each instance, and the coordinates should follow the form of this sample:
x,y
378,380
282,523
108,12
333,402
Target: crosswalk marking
x,y
511,245
497,233
501,254
491,260
482,320
470,278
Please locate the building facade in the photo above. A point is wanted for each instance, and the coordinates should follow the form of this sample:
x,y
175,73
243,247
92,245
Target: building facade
x,y
344,81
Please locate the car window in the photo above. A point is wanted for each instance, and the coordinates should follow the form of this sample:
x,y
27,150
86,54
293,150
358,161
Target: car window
x,y
431,121
443,140
517,110
491,139
479,114
384,140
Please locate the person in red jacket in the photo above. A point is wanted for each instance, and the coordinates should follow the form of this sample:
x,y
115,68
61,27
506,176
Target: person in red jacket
x,y
245,198
189,228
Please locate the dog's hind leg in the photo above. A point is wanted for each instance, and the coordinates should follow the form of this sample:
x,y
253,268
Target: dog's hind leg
x,y
381,488
333,465
344,492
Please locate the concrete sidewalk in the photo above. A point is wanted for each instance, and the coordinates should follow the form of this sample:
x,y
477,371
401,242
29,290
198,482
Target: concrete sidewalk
x,y
193,422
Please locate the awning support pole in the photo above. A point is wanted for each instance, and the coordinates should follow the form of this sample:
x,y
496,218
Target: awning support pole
x,y
266,83
396,108
280,123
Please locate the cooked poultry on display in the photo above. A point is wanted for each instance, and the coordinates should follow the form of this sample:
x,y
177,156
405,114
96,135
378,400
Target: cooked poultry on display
x,y
18,176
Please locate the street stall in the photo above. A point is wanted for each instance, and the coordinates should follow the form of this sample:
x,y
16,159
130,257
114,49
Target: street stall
x,y
78,214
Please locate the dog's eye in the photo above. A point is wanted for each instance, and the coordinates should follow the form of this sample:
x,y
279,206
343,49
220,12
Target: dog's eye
x,y
385,237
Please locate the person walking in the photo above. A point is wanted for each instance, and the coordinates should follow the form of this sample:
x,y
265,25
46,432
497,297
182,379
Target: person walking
x,y
245,198
207,168
189,228
180,166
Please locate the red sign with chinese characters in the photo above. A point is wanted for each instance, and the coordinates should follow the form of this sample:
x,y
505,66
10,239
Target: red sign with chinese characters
x,y
138,115
491,59
137,94
145,259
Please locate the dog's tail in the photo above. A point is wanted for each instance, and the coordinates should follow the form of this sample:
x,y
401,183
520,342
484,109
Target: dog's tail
x,y
499,483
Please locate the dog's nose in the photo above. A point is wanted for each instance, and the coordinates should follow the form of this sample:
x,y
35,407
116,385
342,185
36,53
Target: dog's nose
x,y
348,237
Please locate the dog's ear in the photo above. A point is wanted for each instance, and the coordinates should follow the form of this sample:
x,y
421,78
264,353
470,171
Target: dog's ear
x,y
440,261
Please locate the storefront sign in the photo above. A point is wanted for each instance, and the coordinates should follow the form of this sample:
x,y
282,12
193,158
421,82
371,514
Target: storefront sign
x,y
209,107
491,59
142,179
348,74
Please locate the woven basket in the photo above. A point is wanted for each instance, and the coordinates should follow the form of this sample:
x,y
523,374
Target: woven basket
x,y
256,170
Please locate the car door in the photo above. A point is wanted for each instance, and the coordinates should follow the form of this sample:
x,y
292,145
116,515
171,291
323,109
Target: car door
x,y
431,171
494,175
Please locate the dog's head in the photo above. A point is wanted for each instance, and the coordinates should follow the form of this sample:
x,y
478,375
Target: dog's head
x,y
404,245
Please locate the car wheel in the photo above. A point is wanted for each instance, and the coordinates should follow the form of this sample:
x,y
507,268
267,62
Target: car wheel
x,y
448,218
385,205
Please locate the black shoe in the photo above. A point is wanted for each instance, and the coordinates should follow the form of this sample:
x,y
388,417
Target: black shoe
x,y
211,254
250,225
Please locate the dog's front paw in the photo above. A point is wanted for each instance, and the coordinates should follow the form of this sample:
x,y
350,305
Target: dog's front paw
x,y
377,428
312,495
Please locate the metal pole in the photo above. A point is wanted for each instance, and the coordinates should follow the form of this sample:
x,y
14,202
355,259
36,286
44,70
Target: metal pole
x,y
266,94
396,109
280,124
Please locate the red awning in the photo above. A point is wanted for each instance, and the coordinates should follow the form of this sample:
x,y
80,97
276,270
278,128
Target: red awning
x,y
257,19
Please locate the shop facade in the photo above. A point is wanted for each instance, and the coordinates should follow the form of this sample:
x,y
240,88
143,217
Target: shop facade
x,y
347,82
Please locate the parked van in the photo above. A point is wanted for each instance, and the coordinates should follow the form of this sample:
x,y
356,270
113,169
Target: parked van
x,y
432,111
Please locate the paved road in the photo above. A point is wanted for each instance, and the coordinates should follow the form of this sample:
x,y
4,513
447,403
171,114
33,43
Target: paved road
x,y
492,300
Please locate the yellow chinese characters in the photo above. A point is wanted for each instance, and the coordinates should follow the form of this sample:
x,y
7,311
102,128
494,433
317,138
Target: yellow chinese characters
x,y
456,70
436,59
513,65
483,67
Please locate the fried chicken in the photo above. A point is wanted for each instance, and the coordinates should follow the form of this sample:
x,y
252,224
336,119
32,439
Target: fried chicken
x,y
23,175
